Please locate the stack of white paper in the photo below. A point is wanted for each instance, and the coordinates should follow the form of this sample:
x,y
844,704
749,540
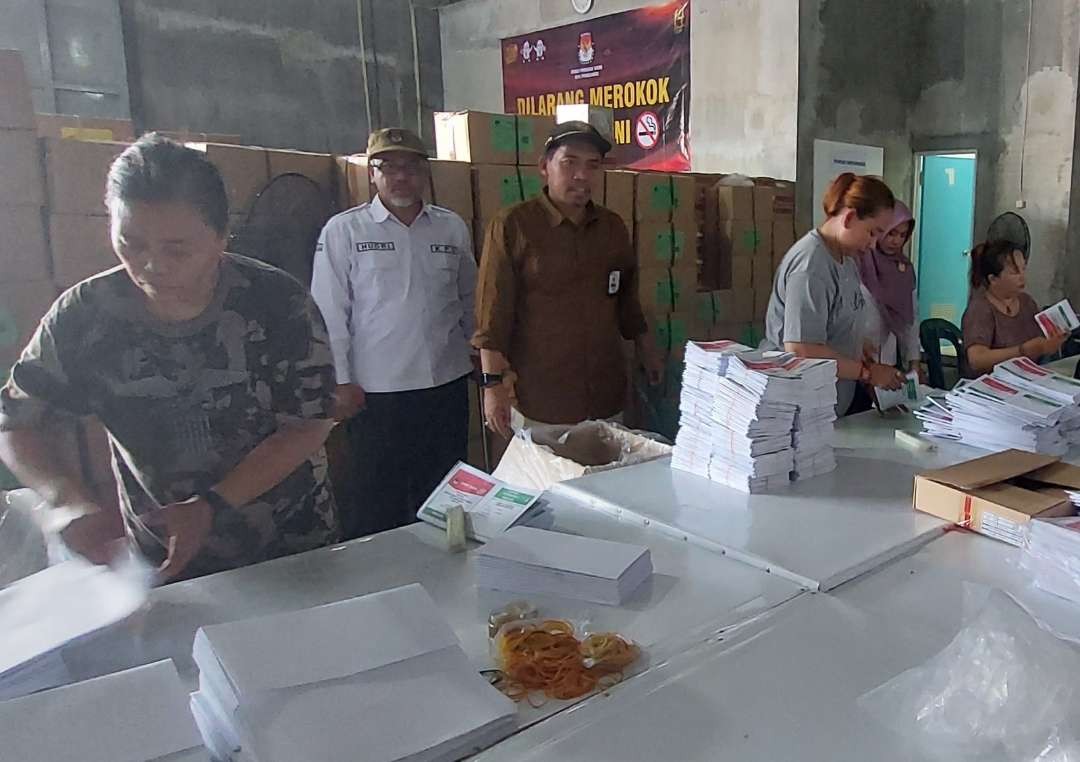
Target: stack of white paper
x,y
754,420
529,560
63,604
1017,407
1052,555
380,677
133,716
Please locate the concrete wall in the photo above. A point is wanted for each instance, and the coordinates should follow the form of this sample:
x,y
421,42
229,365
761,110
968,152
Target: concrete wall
x,y
949,74
287,73
743,72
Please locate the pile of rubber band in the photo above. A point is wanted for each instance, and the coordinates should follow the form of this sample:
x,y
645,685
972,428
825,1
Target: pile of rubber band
x,y
547,658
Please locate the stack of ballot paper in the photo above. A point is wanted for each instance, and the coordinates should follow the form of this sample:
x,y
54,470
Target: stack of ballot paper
x,y
491,506
380,677
137,715
58,606
754,420
1020,406
1052,555
535,561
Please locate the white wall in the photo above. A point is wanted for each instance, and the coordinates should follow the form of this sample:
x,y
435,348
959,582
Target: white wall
x,y
744,72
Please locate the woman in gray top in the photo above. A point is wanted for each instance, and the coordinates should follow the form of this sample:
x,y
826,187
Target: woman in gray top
x,y
211,372
816,307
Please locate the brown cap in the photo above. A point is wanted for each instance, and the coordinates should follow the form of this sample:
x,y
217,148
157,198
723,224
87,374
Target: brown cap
x,y
583,130
395,139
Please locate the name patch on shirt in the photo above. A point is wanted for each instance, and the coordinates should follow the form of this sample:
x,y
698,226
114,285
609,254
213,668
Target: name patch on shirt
x,y
443,248
375,246
319,246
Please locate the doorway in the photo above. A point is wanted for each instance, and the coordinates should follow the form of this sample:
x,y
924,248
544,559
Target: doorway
x,y
945,225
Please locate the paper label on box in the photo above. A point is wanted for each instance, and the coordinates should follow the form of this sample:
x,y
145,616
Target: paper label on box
x,y
504,134
510,190
524,137
86,133
1000,528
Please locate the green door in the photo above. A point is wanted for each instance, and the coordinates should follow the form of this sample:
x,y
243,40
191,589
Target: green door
x,y
946,215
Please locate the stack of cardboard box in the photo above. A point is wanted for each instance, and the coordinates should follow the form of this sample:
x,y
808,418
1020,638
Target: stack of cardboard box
x,y
749,228
503,150
26,289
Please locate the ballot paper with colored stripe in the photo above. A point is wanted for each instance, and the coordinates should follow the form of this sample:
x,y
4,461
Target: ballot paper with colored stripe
x,y
1061,318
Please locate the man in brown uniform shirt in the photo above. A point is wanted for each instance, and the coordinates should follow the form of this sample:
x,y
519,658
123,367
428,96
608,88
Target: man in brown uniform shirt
x,y
557,289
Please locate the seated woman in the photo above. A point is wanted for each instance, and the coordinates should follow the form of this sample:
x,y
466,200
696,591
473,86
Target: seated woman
x,y
888,285
999,322
211,372
816,307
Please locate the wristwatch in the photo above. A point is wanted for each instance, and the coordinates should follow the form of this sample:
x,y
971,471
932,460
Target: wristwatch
x,y
490,379
214,499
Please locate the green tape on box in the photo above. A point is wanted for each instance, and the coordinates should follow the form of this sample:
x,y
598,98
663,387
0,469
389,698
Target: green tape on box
x,y
751,336
531,186
670,245
751,238
525,139
679,332
509,190
504,134
706,310
663,294
662,197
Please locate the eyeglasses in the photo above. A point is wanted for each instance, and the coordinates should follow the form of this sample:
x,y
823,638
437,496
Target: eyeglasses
x,y
410,168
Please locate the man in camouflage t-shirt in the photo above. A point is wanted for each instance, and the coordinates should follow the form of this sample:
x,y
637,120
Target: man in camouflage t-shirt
x,y
230,399
183,404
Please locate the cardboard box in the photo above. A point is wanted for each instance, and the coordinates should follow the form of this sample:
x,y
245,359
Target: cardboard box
x,y
783,238
75,172
64,126
21,182
665,198
22,305
318,167
665,290
672,331
16,105
761,303
245,169
619,194
764,198
740,237
731,331
351,181
24,254
496,187
661,244
742,305
451,187
80,247
603,119
742,273
732,202
715,307
484,138
184,136
761,272
997,494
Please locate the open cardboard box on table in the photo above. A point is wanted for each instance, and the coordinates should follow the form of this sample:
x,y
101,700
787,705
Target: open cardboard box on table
x,y
998,494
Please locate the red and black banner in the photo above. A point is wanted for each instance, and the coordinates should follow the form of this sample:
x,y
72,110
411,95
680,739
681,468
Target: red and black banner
x,y
636,62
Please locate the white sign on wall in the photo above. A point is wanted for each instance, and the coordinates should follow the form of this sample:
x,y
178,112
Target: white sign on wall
x,y
832,159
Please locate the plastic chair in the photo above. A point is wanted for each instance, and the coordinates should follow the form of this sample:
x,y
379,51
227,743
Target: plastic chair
x,y
932,332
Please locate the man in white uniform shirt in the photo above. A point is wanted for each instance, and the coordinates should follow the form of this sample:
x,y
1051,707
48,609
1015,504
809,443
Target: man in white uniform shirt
x,y
395,280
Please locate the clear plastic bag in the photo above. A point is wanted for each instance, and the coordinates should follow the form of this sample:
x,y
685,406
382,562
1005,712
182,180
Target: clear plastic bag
x,y
1004,688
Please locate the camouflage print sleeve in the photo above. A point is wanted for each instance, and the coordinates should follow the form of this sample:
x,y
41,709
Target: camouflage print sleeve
x,y
40,389
303,376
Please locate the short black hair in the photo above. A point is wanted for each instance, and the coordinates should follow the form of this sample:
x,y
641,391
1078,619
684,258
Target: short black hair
x,y
157,169
989,260
581,140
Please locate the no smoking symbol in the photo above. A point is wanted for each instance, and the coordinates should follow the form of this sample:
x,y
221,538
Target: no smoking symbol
x,y
647,130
